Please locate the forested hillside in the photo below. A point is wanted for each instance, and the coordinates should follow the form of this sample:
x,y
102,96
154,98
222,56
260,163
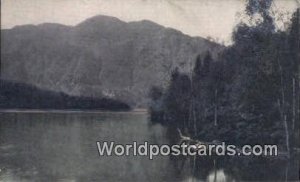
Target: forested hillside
x,y
250,95
22,96
100,56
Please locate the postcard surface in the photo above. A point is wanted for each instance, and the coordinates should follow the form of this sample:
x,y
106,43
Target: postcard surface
x,y
149,90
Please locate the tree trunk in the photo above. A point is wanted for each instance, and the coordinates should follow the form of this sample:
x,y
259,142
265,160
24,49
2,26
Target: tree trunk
x,y
287,135
216,108
294,105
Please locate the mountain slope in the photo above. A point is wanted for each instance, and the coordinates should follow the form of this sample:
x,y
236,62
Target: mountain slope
x,y
100,56
22,96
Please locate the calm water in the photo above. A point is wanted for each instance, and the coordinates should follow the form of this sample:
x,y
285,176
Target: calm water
x,y
62,147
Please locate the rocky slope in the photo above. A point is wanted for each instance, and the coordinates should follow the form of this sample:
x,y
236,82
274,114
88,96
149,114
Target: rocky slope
x,y
100,56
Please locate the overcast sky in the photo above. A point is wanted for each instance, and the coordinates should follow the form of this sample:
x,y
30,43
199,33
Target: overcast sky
x,y
214,18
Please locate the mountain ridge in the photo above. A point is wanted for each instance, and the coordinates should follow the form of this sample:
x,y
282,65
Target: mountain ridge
x,y
143,21
101,56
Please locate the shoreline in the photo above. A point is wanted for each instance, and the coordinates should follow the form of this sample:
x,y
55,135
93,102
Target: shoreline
x,y
58,111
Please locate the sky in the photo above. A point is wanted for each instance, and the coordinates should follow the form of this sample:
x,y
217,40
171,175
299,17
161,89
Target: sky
x,y
205,18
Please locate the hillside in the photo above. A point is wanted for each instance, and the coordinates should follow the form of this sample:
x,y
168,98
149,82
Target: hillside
x,y
101,56
22,96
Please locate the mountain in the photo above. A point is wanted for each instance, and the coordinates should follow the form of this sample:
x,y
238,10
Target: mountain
x,y
101,56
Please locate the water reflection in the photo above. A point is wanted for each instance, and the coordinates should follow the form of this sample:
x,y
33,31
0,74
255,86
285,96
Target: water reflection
x,y
62,147
217,175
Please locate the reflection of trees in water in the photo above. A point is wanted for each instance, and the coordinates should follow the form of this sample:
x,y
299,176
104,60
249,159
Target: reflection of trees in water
x,y
229,168
214,168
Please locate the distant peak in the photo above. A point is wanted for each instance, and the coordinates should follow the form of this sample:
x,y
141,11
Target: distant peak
x,y
52,25
31,27
147,23
25,27
101,19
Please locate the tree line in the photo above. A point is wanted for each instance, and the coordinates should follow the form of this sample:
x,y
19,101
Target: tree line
x,y
15,95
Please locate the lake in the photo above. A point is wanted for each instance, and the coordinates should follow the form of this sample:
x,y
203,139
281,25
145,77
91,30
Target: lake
x,y
62,147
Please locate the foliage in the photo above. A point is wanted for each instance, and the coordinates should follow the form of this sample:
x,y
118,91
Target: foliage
x,y
22,96
249,95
